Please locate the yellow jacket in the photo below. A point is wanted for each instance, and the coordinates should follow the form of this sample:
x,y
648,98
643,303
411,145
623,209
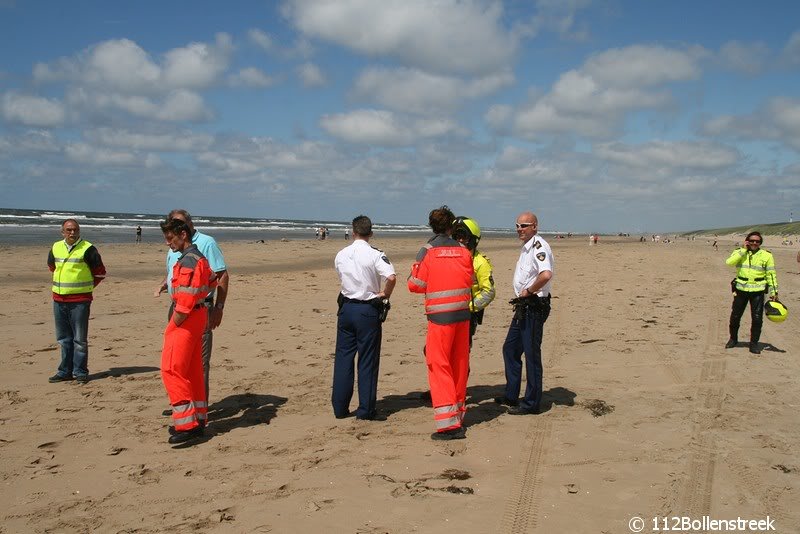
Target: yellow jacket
x,y
755,271
482,283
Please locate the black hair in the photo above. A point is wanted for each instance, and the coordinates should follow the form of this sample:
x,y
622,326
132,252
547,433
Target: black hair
x,y
175,226
362,226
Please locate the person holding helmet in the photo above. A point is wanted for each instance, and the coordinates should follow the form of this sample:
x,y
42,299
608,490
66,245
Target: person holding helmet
x,y
467,232
755,276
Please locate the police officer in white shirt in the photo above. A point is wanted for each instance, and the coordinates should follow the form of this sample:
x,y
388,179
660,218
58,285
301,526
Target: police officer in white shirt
x,y
532,282
361,270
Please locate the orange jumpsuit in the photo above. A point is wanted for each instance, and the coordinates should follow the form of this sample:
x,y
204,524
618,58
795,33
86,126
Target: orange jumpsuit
x,y
181,357
443,271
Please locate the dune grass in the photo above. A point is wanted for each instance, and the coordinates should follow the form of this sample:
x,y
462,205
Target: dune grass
x,y
781,228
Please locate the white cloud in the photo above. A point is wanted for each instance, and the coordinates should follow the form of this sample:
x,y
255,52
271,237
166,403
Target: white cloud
x,y
32,110
594,100
778,120
176,106
791,52
461,36
384,128
182,141
260,39
183,105
251,77
416,91
746,58
699,156
122,66
311,75
643,66
89,155
198,65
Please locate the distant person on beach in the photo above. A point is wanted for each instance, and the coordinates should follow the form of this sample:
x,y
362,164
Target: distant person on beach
x,y
362,309
138,234
77,269
346,234
443,273
532,284
755,277
467,232
714,244
210,250
182,355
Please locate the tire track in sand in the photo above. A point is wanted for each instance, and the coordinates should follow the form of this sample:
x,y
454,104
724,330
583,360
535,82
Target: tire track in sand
x,y
521,514
694,499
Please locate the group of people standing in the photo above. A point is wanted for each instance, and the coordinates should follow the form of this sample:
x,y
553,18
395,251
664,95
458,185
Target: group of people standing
x,y
457,282
197,281
449,270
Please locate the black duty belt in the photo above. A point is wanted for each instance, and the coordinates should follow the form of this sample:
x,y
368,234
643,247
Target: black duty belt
x,y
347,299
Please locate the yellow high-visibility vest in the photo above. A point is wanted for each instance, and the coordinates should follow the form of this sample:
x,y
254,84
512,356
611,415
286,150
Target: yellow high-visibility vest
x,y
72,274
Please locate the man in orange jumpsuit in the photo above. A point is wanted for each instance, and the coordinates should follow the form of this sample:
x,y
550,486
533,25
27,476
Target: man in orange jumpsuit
x,y
181,357
443,272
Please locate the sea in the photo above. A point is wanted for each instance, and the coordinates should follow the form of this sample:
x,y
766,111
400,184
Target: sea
x,y
34,227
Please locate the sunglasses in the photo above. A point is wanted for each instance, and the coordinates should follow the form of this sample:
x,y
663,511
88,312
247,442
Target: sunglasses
x,y
523,225
754,241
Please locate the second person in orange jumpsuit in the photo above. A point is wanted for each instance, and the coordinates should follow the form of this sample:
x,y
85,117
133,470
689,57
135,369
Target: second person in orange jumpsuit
x,y
181,357
443,272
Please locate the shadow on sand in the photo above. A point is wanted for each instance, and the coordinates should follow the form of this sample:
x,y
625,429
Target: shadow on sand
x,y
476,395
122,371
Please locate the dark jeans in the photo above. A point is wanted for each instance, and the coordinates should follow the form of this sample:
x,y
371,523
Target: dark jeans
x,y
525,336
740,300
72,333
358,330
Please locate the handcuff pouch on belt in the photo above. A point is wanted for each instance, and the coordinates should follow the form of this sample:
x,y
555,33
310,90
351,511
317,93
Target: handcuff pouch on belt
x,y
532,304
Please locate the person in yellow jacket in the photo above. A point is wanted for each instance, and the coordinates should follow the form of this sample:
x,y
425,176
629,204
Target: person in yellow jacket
x,y
467,232
755,277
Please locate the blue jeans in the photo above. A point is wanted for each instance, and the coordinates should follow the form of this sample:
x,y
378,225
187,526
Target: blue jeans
x,y
72,332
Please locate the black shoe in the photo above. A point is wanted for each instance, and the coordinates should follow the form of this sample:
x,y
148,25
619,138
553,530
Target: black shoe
x,y
754,348
523,411
731,343
58,378
182,436
505,402
456,433
376,417
167,412
344,415
84,379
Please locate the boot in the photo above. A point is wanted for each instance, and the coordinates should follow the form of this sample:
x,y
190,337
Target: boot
x,y
755,348
731,343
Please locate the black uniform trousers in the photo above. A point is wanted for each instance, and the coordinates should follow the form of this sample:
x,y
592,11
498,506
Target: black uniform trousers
x,y
740,300
359,329
525,336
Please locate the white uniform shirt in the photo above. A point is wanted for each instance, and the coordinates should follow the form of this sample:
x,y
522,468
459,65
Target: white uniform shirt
x,y
361,269
534,258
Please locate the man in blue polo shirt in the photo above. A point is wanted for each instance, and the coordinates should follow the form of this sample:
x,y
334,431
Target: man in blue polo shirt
x,y
208,248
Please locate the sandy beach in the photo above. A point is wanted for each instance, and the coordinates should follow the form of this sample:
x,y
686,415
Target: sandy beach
x,y
646,414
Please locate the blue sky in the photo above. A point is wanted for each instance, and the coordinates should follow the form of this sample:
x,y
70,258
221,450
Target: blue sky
x,y
598,116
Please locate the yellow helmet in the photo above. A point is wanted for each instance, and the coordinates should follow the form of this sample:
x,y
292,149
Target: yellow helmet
x,y
468,229
775,311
